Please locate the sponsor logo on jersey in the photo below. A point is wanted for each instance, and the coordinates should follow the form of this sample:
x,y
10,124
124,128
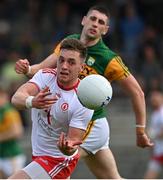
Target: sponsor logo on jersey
x,y
45,126
64,106
90,61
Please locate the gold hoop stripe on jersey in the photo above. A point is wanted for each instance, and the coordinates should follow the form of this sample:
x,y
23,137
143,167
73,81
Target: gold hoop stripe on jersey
x,y
119,60
88,130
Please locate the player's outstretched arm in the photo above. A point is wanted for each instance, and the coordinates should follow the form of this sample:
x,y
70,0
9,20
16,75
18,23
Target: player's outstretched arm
x,y
133,89
22,66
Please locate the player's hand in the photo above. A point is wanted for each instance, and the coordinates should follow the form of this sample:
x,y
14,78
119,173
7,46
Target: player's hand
x,y
44,100
67,146
143,140
22,66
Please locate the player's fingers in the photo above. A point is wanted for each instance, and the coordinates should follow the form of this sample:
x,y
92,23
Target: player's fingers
x,y
47,97
62,145
144,141
46,89
47,93
149,143
41,95
61,139
47,100
50,99
77,143
21,68
42,104
22,62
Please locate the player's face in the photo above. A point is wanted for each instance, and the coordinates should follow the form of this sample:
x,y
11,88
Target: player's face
x,y
69,65
95,24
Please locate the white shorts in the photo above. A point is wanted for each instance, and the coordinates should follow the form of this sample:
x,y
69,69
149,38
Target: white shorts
x,y
10,165
97,136
35,171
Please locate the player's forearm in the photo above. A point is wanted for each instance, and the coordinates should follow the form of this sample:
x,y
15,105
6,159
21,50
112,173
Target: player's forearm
x,y
19,100
140,111
33,69
49,62
134,91
139,107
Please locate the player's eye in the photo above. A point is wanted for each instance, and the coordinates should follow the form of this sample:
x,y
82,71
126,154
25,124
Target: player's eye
x,y
101,22
93,18
71,61
61,59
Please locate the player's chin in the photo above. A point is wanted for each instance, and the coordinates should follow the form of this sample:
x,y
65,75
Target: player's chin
x,y
92,35
63,79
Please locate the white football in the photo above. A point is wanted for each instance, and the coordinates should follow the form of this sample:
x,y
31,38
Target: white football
x,y
94,91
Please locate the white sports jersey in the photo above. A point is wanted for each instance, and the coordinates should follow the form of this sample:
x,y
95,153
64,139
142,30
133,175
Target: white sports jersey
x,y
156,127
47,125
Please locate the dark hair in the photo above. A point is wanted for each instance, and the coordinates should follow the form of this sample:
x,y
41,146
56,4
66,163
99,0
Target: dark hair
x,y
101,8
76,45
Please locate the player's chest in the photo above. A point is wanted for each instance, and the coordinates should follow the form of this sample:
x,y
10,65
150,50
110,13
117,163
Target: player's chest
x,y
62,110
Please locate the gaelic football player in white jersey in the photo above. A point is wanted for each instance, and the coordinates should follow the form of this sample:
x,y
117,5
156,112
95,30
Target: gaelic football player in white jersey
x,y
59,120
155,130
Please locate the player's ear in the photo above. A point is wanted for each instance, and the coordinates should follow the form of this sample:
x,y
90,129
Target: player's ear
x,y
82,67
105,30
83,20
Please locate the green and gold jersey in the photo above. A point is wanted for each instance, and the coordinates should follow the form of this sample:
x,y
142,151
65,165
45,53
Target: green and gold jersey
x,y
9,116
101,60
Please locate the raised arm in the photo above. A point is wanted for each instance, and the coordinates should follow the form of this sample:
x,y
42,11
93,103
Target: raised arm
x,y
131,86
22,66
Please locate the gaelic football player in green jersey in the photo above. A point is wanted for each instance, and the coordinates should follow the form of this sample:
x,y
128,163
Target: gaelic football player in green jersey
x,y
100,60
12,157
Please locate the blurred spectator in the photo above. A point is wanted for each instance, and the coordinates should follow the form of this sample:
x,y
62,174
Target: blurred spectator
x,y
4,40
11,129
60,20
150,70
131,29
152,37
156,132
9,77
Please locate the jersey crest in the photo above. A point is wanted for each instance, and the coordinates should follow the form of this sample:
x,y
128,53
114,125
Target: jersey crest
x,y
90,61
64,106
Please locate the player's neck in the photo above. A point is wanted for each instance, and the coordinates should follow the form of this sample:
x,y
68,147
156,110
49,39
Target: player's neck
x,y
68,86
88,41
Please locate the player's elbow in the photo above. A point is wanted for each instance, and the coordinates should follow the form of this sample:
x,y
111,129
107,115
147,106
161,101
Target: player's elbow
x,y
141,93
138,93
14,102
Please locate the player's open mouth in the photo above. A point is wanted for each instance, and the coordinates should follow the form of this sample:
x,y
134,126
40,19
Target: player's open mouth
x,y
93,31
64,73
